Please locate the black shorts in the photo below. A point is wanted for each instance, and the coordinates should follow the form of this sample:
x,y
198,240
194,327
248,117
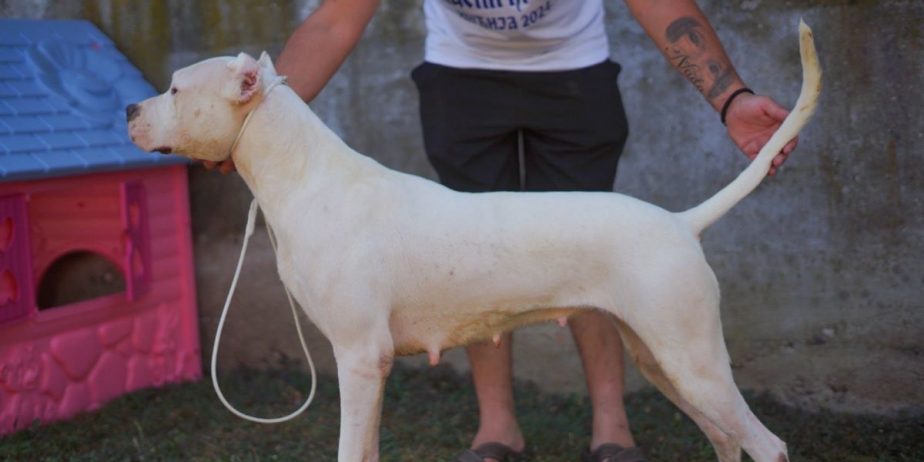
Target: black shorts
x,y
568,127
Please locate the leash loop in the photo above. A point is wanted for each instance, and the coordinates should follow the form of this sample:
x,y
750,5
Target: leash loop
x,y
248,232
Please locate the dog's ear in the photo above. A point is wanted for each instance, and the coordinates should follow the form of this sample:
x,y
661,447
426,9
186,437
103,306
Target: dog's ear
x,y
265,61
266,64
247,77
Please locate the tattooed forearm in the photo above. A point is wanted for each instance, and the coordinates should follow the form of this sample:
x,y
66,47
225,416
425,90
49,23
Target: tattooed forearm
x,y
698,58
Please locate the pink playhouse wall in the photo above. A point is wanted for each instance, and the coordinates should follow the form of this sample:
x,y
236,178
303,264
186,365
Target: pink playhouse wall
x,y
59,361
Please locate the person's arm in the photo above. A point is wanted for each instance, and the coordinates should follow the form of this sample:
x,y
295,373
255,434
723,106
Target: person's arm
x,y
687,40
322,42
317,48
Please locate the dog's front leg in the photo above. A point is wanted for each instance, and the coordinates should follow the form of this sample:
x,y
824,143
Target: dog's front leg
x,y
362,375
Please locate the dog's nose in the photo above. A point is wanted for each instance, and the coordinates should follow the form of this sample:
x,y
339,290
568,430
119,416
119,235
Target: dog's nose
x,y
131,111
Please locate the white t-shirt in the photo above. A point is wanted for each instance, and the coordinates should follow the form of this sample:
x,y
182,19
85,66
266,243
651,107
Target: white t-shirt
x,y
517,35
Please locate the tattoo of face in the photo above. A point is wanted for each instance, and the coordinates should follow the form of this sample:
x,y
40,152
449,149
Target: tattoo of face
x,y
687,50
686,34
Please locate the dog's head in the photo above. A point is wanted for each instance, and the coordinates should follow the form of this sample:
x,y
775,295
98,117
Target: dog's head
x,y
200,114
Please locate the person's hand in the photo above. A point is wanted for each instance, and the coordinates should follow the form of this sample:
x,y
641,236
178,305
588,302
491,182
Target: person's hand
x,y
225,166
751,120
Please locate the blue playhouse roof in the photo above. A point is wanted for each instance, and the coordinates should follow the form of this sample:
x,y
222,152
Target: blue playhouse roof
x,y
63,91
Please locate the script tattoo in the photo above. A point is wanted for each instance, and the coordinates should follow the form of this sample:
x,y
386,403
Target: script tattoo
x,y
687,44
688,51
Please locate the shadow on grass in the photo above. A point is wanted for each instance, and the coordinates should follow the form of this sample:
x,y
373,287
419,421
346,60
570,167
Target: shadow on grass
x,y
429,415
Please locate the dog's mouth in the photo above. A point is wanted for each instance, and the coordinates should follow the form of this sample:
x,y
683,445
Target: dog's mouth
x,y
163,150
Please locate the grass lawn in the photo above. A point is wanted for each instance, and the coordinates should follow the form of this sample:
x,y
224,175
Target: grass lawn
x,y
429,415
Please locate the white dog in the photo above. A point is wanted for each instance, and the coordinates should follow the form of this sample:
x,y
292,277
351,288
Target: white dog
x,y
390,264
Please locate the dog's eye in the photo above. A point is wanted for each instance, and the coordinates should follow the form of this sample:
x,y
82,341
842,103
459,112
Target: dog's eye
x,y
173,90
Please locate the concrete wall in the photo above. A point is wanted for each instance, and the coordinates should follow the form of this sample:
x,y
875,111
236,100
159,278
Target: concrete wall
x,y
821,268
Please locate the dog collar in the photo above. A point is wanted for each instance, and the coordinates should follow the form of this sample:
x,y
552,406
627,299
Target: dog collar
x,y
279,81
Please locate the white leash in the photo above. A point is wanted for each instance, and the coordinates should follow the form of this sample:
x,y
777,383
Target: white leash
x,y
248,232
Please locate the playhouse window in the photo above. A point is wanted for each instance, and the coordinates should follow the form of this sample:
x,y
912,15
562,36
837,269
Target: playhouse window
x,y
90,241
77,277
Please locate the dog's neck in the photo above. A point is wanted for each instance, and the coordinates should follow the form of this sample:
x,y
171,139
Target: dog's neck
x,y
280,80
286,147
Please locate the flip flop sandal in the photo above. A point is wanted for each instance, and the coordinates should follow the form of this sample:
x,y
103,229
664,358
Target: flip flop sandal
x,y
496,451
614,453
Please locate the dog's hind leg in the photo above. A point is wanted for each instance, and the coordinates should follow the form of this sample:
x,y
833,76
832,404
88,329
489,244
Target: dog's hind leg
x,y
689,347
719,400
727,448
361,370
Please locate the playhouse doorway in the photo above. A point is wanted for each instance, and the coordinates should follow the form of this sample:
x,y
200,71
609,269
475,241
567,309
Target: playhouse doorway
x,y
77,277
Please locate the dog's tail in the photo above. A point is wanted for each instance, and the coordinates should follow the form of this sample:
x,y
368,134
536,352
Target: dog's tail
x,y
707,213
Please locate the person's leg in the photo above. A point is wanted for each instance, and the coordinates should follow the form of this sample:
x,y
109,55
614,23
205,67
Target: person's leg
x,y
471,142
600,347
576,146
493,376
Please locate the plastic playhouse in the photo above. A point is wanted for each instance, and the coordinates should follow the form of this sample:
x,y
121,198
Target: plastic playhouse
x,y
97,294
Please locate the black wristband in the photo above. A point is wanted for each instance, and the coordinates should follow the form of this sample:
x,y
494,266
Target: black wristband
x,y
731,98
